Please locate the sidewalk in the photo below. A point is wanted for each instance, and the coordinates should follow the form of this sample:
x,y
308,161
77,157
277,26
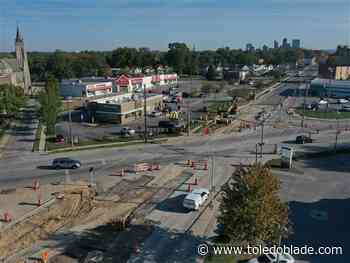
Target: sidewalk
x,y
19,138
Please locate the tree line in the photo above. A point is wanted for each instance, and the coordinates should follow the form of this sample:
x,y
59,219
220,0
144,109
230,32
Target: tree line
x,y
179,56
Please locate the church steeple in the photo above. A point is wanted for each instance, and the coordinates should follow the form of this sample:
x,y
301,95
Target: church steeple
x,y
22,61
19,37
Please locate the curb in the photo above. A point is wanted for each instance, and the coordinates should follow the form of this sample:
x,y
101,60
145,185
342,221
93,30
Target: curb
x,y
107,145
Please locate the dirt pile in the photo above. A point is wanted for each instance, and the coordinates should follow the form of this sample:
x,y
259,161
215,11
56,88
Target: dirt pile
x,y
76,203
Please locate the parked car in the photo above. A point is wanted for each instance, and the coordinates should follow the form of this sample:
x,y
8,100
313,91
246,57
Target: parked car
x,y
346,108
59,138
342,101
322,102
196,198
66,163
272,258
301,139
170,125
126,131
156,114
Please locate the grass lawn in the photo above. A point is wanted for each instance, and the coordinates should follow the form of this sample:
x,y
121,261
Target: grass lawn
x,y
218,107
324,115
124,141
220,259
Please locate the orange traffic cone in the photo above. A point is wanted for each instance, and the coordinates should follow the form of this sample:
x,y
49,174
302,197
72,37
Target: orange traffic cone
x,y
39,200
7,217
36,185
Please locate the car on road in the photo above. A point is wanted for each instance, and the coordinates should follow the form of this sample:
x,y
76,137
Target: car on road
x,y
272,258
126,131
196,198
301,139
66,163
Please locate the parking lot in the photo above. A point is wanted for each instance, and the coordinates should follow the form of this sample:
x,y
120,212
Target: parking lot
x,y
318,191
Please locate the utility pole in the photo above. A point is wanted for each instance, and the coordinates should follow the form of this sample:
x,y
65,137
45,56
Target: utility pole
x,y
211,174
188,120
304,105
70,121
145,113
262,140
256,153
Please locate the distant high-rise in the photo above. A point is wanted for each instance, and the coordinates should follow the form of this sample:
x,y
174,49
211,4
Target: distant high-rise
x,y
265,48
285,43
250,47
296,43
275,44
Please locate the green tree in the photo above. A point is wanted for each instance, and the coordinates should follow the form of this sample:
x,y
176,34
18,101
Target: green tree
x,y
11,99
251,210
177,56
51,104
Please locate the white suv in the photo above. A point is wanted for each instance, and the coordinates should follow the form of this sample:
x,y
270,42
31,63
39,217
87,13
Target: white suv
x,y
196,198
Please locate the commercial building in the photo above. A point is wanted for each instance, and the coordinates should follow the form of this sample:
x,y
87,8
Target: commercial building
x,y
86,87
336,67
285,43
129,84
122,108
330,88
275,44
296,43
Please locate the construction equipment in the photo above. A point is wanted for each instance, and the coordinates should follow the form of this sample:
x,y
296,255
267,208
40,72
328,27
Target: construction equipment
x,y
174,115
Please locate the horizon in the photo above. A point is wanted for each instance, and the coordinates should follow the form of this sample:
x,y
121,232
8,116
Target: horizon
x,y
73,27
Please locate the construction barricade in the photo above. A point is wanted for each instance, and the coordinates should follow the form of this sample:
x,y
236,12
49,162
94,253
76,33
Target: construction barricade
x,y
146,167
120,173
200,165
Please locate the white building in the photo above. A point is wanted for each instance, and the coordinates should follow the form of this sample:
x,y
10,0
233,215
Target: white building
x,y
86,88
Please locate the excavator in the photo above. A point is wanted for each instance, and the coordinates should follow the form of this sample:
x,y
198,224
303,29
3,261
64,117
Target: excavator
x,y
226,117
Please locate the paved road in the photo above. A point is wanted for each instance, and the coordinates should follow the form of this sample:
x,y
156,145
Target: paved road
x,y
237,148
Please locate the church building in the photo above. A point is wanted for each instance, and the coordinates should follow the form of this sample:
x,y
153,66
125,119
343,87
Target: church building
x,y
15,71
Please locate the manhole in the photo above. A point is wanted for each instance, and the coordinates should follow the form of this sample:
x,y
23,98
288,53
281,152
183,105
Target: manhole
x,y
319,215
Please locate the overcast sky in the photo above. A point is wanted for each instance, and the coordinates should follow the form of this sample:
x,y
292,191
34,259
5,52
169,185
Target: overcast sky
x,y
208,24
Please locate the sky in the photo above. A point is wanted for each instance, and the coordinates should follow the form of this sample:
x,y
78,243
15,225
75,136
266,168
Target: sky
x,y
75,25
